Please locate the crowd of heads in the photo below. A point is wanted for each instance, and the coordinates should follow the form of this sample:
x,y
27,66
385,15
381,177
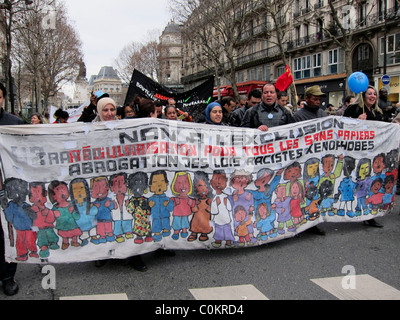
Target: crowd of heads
x,y
226,111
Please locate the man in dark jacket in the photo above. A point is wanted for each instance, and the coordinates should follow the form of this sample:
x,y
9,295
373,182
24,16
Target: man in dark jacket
x,y
386,105
237,115
268,113
7,270
228,104
311,109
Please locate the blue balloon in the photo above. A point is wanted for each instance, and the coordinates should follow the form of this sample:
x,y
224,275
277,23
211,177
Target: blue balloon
x,y
358,82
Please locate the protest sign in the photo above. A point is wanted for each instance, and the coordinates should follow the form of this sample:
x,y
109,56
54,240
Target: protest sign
x,y
193,101
81,192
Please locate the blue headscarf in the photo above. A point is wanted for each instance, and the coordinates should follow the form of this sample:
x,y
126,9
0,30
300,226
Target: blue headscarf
x,y
208,111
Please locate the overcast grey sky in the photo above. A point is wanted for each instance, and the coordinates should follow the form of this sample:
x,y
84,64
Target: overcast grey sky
x,y
106,26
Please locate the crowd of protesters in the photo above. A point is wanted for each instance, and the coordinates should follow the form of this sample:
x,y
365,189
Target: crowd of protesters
x,y
261,109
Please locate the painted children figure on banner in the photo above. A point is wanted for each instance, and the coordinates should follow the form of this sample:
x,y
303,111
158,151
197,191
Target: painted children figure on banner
x,y
243,220
331,175
292,173
138,206
363,184
80,197
326,198
221,211
378,169
121,217
99,191
312,209
392,164
65,214
282,208
46,237
265,222
21,216
160,205
200,223
346,188
265,190
311,176
291,176
296,195
375,200
389,197
181,187
240,179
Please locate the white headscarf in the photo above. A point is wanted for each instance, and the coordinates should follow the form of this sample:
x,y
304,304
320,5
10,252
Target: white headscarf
x,y
101,105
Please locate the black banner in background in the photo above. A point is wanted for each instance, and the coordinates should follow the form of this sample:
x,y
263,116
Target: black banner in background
x,y
193,101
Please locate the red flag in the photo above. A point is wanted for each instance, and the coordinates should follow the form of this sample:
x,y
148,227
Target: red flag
x,y
285,80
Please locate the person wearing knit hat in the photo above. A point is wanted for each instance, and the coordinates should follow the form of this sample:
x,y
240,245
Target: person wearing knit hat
x,y
106,110
214,113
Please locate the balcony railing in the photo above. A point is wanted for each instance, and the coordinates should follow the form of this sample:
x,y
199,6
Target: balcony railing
x,y
372,21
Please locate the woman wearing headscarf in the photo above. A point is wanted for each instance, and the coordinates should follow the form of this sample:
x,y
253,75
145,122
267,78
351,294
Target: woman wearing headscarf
x,y
214,114
106,110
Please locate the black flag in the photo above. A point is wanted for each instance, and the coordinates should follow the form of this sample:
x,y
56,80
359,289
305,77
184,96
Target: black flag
x,y
193,101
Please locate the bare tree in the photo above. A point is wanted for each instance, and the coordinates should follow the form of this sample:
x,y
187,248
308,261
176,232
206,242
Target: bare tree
x,y
13,9
143,57
275,29
214,29
341,24
49,50
126,62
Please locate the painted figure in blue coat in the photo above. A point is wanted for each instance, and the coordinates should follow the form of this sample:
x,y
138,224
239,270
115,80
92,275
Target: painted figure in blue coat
x,y
104,204
20,215
265,222
80,197
326,196
265,190
346,188
161,206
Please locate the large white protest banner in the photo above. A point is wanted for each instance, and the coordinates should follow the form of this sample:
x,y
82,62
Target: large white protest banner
x,y
81,192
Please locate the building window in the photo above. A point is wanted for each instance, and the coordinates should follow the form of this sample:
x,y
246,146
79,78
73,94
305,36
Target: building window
x,y
252,74
267,73
280,70
333,61
260,74
302,67
393,49
306,63
297,68
297,37
240,76
316,65
307,67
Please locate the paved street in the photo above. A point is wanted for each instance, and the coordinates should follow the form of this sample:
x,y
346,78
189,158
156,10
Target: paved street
x,y
300,268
